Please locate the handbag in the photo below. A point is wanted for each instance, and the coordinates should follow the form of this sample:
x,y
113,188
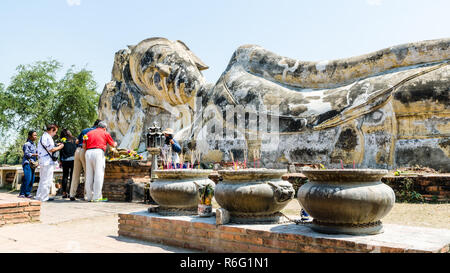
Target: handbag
x,y
54,158
33,164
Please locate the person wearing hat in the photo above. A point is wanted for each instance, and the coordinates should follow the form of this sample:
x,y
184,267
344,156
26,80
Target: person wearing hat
x,y
170,142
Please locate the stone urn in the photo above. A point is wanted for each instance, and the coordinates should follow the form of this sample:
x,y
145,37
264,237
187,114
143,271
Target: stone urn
x,y
176,191
253,195
348,201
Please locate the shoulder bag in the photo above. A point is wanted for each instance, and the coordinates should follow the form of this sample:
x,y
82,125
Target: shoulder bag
x,y
54,158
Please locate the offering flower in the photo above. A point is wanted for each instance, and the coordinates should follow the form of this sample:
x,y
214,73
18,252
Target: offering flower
x,y
123,154
206,195
85,137
63,140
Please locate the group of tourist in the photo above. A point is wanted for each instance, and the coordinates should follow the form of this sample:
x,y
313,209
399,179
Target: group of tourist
x,y
86,152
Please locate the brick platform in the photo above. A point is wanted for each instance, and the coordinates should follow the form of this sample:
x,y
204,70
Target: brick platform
x,y
15,211
119,174
432,187
203,234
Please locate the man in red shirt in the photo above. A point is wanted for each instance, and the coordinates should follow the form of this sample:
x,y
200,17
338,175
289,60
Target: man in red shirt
x,y
94,143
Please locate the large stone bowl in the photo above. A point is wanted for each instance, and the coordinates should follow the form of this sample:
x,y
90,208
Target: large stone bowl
x,y
253,195
176,191
348,201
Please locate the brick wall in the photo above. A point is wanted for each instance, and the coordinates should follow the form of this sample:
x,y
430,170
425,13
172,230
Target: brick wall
x,y
120,173
431,187
211,238
19,212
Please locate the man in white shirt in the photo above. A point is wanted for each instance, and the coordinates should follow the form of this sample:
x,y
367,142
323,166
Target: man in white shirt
x,y
46,148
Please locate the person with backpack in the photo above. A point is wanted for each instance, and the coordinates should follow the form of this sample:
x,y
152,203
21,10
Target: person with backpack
x,y
29,164
47,162
67,156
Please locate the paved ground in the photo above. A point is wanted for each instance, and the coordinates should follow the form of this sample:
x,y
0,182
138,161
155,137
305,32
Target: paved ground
x,y
78,226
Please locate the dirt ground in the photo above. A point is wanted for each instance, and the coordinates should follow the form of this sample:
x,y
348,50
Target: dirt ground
x,y
423,215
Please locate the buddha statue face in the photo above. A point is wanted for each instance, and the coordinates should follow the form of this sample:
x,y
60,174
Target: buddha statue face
x,y
155,80
167,71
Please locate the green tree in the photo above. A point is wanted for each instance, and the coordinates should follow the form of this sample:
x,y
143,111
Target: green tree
x,y
3,119
29,98
75,106
35,98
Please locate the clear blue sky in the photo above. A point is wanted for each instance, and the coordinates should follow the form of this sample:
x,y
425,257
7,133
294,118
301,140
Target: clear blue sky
x,y
87,33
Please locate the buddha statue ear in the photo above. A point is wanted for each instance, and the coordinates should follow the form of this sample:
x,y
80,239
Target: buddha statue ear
x,y
200,65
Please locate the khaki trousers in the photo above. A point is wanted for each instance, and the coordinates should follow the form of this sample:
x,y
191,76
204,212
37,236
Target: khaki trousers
x,y
95,172
79,164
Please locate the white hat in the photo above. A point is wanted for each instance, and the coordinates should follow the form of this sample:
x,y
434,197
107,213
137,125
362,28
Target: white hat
x,y
168,131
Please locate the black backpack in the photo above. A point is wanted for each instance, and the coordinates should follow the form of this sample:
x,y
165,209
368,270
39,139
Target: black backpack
x,y
69,149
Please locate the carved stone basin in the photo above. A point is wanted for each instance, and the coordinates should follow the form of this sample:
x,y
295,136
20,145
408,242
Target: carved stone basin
x,y
254,195
176,191
350,201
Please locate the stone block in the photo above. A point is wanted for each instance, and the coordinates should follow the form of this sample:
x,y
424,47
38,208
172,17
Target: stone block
x,y
226,236
8,205
230,229
222,216
11,210
15,216
32,208
203,226
18,220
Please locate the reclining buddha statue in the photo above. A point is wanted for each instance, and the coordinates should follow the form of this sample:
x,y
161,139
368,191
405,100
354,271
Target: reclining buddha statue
x,y
386,109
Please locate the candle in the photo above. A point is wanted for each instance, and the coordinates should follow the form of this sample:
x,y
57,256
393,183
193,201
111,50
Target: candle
x,y
353,164
342,164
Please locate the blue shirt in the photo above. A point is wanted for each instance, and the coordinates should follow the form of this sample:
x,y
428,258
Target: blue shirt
x,y
176,147
80,137
28,149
